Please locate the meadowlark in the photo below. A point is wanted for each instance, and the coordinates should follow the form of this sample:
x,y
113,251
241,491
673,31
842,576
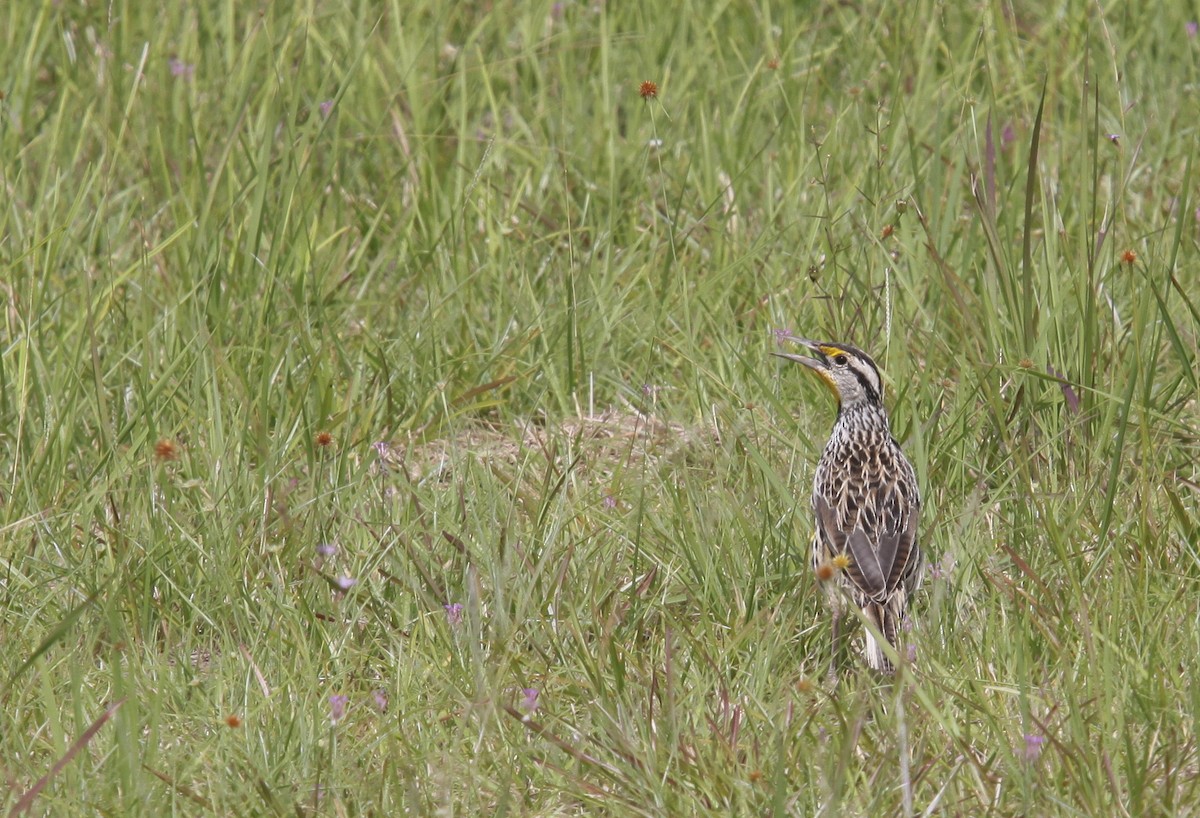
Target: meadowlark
x,y
866,502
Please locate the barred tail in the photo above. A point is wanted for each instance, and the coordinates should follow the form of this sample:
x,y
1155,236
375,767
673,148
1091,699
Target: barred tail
x,y
885,618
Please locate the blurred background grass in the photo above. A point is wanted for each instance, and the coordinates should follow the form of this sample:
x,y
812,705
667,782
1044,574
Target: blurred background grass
x,y
417,354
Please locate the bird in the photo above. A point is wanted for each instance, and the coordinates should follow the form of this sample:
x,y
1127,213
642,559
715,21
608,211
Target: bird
x,y
866,503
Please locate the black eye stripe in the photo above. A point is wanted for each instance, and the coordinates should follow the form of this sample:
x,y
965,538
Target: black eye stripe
x,y
868,387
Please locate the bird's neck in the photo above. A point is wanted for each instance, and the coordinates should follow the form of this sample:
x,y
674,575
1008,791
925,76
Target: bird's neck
x,y
863,415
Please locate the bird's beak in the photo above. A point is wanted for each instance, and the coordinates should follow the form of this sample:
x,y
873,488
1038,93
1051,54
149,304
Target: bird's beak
x,y
819,363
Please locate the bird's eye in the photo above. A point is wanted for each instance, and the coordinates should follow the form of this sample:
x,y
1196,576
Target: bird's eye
x,y
840,360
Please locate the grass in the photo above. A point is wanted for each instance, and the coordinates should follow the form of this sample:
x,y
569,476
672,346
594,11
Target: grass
x,y
242,246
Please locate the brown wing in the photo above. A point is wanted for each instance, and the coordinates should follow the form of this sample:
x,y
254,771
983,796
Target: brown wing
x,y
864,570
897,544
906,554
870,568
882,537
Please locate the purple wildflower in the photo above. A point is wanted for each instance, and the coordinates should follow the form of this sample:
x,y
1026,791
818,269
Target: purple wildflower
x,y
529,699
337,707
610,501
181,69
382,448
1068,393
912,653
345,583
1192,27
1008,135
327,549
454,612
782,335
381,699
943,568
326,107
1033,746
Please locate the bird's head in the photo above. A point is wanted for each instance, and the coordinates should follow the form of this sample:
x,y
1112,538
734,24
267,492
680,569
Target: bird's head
x,y
846,370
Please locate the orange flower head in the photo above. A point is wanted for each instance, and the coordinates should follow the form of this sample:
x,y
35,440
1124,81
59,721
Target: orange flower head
x,y
1129,257
233,720
166,449
825,571
648,89
324,440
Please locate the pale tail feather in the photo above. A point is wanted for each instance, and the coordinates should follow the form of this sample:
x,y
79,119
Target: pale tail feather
x,y
885,619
